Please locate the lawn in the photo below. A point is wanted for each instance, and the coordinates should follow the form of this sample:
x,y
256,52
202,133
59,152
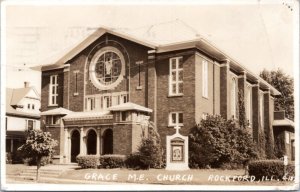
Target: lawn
x,y
152,176
161,176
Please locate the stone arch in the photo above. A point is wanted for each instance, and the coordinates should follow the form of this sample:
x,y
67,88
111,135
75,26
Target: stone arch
x,y
91,142
107,141
75,144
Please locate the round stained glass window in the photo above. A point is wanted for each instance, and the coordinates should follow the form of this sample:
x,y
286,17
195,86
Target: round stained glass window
x,y
107,68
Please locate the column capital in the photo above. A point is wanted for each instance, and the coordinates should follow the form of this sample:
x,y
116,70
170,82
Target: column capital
x,y
242,74
225,63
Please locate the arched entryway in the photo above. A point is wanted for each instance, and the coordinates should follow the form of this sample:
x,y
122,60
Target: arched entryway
x,y
75,145
108,142
91,142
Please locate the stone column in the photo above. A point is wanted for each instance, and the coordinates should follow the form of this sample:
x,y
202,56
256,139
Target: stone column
x,y
98,141
151,79
224,89
66,147
66,102
82,144
268,125
255,111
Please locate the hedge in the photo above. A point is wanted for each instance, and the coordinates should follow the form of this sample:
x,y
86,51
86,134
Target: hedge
x,y
88,161
270,168
112,161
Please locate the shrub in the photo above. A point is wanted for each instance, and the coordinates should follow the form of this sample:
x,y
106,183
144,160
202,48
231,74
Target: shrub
x,y
269,168
216,141
32,161
134,161
149,155
8,158
88,161
112,161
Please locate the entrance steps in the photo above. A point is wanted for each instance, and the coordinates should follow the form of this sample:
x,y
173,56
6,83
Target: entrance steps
x,y
48,171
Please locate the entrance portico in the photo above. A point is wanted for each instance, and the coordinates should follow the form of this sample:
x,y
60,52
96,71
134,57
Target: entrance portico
x,y
90,137
118,130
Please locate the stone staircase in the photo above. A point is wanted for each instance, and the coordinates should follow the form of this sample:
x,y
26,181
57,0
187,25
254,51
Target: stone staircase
x,y
48,171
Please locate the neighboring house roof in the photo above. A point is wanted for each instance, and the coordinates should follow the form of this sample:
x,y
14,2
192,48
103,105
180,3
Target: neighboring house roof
x,y
13,97
162,37
129,106
57,111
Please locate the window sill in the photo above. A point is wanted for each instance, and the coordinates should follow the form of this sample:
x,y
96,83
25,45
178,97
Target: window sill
x,y
53,105
205,97
177,95
139,87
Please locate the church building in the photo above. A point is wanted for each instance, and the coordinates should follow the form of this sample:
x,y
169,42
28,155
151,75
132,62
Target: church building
x,y
100,95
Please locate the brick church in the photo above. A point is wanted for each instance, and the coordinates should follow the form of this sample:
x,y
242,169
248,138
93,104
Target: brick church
x,y
99,96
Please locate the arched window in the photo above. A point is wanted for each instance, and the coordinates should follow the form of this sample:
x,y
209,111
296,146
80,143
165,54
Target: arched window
x,y
233,97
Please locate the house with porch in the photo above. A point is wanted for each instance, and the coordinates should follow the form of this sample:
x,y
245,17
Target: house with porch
x,y
22,115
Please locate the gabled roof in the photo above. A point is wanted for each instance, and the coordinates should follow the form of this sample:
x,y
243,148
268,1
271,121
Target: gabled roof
x,y
18,95
163,37
57,111
130,106
13,97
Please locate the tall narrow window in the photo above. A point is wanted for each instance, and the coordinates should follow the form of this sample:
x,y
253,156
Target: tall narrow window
x,y
249,105
204,78
233,97
90,104
53,90
76,82
29,125
176,76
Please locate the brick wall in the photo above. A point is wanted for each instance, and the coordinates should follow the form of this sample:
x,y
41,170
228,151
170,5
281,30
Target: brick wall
x,y
122,139
203,104
185,103
45,89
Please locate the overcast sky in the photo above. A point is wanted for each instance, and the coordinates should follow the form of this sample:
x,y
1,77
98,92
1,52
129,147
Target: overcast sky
x,y
258,35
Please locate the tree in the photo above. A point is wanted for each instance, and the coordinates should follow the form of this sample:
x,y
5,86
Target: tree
x,y
242,110
216,142
38,145
285,84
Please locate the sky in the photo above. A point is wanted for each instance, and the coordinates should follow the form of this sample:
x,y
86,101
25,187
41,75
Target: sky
x,y
257,34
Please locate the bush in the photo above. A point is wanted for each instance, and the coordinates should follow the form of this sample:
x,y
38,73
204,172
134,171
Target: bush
x,y
88,161
216,142
112,161
134,161
270,168
8,158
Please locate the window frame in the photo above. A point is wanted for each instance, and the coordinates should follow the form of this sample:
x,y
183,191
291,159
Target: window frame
x,y
177,82
53,86
177,123
27,124
205,78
